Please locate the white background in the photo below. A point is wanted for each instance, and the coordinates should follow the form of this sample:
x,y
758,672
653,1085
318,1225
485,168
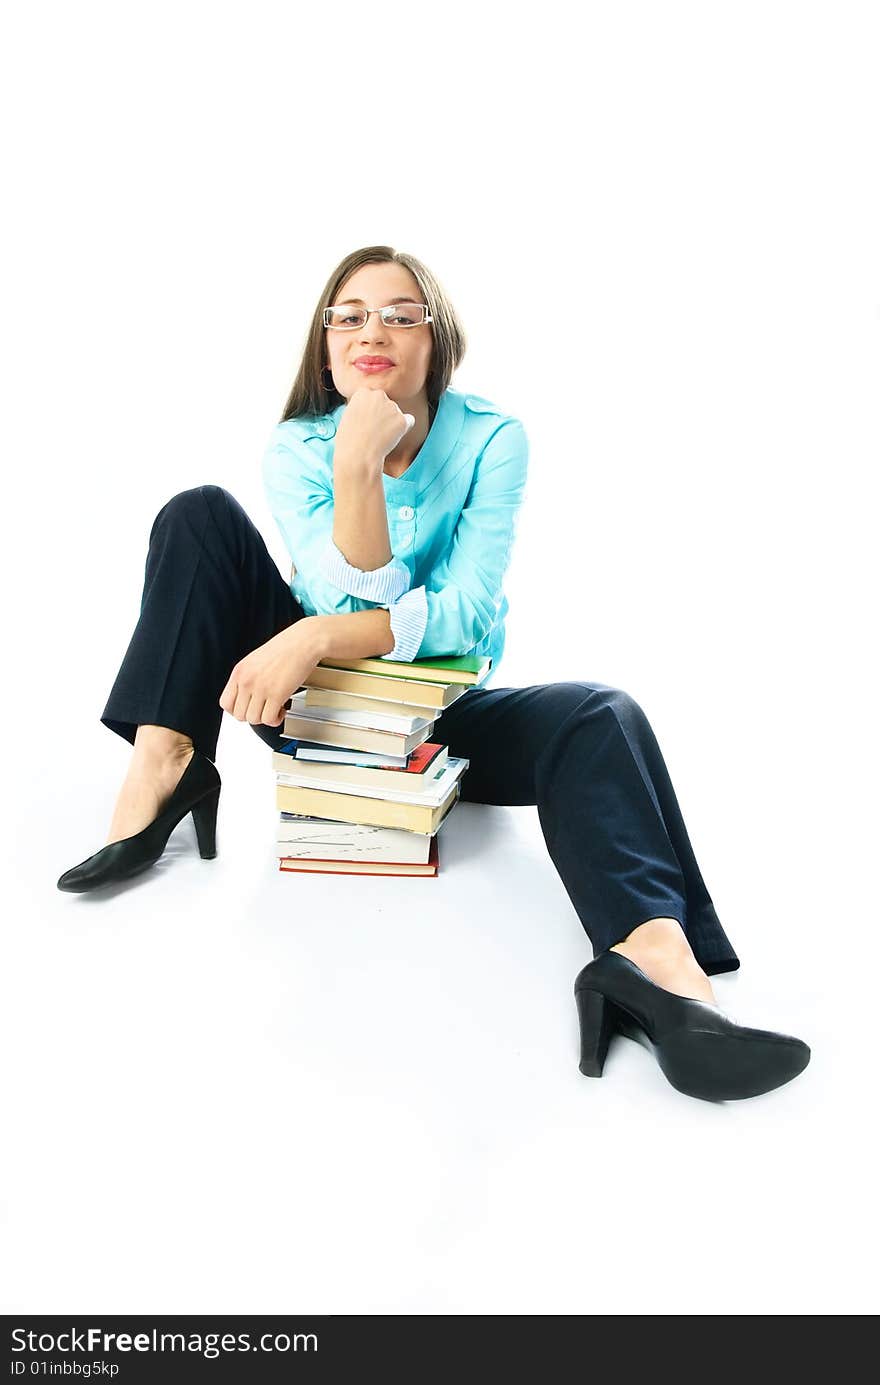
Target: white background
x,y
231,1090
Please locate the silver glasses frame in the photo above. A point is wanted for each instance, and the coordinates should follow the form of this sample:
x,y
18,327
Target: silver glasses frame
x,y
389,308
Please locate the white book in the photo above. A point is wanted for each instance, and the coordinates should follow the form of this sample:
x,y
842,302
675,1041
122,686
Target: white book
x,y
305,827
309,823
299,829
318,839
316,698
379,721
313,750
431,794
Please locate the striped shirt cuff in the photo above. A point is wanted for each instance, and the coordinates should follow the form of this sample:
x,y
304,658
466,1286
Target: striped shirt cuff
x,y
408,616
384,584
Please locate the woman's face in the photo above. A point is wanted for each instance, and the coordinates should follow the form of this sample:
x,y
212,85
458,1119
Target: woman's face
x,y
408,348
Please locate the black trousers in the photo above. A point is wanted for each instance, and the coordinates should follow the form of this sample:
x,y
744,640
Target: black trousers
x,y
583,753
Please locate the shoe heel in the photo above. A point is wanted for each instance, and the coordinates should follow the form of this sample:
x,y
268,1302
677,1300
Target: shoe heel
x,y
205,818
596,1016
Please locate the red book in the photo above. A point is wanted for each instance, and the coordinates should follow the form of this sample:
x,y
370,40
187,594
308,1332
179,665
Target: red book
x,y
421,757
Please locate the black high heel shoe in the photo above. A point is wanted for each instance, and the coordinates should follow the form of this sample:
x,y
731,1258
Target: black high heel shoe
x,y
198,792
702,1052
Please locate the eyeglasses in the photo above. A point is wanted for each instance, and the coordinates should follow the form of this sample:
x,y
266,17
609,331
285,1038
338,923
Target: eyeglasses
x,y
348,317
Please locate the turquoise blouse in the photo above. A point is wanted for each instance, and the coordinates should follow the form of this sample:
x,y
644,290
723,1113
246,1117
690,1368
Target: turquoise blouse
x,y
451,524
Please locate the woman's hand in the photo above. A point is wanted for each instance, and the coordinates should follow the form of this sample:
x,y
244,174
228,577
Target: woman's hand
x,y
371,426
263,680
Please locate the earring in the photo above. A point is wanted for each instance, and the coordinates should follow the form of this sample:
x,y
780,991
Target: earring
x,y
331,387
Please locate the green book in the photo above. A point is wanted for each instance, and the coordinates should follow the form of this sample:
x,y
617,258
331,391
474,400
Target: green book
x,y
445,668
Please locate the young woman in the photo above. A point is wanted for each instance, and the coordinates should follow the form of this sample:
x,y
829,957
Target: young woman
x,y
397,497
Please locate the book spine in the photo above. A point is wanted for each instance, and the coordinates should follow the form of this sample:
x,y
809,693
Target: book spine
x,y
350,808
423,695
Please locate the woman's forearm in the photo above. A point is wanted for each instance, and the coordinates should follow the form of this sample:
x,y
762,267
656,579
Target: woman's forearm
x,y
360,521
358,635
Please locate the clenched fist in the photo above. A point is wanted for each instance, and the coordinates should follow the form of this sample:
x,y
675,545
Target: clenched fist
x,y
371,426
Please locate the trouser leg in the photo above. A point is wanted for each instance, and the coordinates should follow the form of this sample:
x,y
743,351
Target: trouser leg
x,y
586,755
212,593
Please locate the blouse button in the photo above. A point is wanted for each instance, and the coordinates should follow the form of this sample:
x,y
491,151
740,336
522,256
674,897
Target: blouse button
x,y
405,512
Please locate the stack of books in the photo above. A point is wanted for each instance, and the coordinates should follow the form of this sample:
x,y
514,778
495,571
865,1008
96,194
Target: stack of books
x,y
365,784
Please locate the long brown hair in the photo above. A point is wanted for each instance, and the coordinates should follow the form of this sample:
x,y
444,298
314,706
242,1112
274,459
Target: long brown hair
x,y
308,395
